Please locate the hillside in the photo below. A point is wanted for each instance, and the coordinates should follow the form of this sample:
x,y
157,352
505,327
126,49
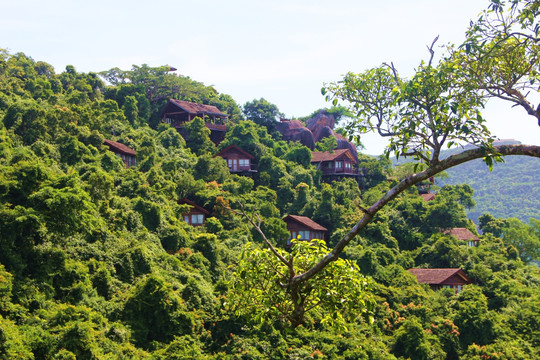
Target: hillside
x,y
124,234
509,190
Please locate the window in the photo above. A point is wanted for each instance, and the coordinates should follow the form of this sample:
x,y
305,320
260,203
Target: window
x,y
348,165
233,164
293,236
243,163
339,164
304,234
197,219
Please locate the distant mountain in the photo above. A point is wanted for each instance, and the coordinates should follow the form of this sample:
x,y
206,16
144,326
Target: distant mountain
x,y
512,189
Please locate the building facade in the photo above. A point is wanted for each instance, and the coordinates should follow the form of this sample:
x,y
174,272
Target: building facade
x,y
238,160
177,112
303,228
124,152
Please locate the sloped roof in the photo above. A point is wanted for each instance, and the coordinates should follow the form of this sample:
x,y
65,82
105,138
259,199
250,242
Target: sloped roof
x,y
194,108
195,206
437,276
428,196
234,148
119,147
307,222
461,234
320,156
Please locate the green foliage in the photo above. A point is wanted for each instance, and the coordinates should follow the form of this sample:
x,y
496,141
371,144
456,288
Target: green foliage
x,y
328,143
412,342
150,211
156,313
299,154
198,139
262,113
472,318
260,288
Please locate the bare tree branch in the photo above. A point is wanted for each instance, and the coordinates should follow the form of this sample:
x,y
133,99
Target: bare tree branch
x,y
257,227
431,51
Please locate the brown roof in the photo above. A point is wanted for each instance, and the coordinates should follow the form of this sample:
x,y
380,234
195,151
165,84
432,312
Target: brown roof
x,y
195,206
461,234
307,222
320,156
194,108
437,276
428,197
119,147
234,148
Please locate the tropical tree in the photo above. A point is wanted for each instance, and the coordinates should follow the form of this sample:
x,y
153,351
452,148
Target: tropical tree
x,y
437,107
263,113
340,286
500,56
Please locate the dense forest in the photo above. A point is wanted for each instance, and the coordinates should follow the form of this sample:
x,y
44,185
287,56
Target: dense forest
x,y
96,261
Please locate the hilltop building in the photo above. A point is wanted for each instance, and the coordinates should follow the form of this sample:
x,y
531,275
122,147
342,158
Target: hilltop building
x,y
463,234
127,154
238,160
442,278
428,196
304,227
196,216
336,164
177,112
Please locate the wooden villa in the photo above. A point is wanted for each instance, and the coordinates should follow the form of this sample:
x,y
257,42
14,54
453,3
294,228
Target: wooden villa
x,y
452,278
196,216
428,196
463,234
238,160
127,154
177,112
335,164
304,227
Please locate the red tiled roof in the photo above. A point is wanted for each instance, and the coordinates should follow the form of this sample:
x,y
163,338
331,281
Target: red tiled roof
x,y
437,276
307,222
119,147
461,234
428,197
194,108
234,148
319,156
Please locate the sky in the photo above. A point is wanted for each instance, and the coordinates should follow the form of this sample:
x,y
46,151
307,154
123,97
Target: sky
x,y
281,50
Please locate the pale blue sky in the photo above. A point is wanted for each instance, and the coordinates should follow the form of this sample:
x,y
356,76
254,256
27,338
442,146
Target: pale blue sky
x,y
281,50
